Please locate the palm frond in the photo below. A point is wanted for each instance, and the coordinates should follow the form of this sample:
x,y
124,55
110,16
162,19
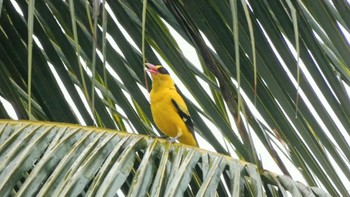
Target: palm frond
x,y
41,158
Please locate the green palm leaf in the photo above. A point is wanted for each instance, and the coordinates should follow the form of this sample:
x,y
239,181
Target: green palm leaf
x,y
56,159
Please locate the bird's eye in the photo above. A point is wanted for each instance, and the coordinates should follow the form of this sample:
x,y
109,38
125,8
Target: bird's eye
x,y
162,70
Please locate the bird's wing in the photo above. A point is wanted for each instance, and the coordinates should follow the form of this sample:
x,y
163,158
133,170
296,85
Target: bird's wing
x,y
183,113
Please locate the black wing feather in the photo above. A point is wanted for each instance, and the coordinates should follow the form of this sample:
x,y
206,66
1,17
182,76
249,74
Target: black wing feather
x,y
185,117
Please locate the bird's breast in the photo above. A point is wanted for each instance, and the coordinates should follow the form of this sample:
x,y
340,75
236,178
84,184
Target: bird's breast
x,y
164,114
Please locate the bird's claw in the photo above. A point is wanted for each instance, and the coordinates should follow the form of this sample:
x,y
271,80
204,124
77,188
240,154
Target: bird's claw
x,y
172,139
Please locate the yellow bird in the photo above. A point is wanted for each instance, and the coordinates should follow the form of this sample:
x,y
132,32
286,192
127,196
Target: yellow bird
x,y
169,110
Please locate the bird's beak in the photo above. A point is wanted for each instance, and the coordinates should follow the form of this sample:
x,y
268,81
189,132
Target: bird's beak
x,y
151,68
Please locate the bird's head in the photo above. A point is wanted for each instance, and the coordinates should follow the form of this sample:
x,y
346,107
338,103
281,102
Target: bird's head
x,y
158,73
156,69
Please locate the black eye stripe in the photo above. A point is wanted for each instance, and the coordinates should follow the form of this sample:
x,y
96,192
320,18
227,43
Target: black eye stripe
x,y
162,70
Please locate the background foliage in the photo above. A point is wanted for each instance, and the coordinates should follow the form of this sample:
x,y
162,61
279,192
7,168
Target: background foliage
x,y
288,59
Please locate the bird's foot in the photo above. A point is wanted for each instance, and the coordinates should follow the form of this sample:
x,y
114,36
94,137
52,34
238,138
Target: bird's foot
x,y
172,139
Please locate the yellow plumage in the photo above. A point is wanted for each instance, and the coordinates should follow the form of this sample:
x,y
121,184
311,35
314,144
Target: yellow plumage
x,y
169,110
